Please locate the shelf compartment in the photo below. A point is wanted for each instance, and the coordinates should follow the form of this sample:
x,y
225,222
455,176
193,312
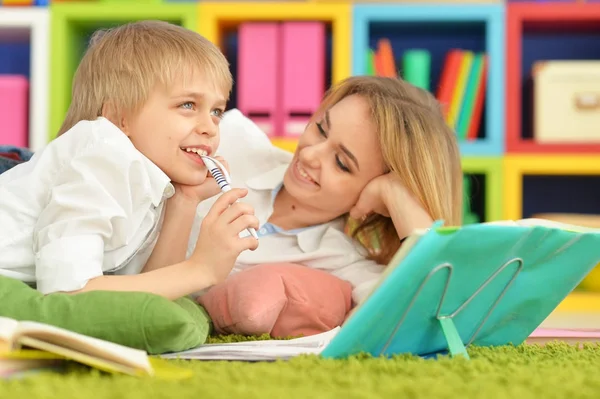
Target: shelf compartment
x,y
543,31
440,28
25,30
518,168
486,186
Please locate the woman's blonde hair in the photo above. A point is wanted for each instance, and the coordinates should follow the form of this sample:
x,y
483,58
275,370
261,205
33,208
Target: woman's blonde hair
x,y
124,64
417,145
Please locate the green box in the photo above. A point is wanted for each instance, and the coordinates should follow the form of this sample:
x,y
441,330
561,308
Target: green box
x,y
71,25
491,169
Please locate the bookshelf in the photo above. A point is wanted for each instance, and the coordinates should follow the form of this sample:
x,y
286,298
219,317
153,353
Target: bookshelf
x,y
71,26
24,32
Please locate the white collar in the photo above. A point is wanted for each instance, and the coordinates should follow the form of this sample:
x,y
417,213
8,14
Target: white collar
x,y
309,239
160,183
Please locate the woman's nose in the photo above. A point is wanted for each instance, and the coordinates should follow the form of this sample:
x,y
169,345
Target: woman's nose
x,y
310,156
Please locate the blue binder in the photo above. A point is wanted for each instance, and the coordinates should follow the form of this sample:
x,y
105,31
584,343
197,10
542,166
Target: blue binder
x,y
485,284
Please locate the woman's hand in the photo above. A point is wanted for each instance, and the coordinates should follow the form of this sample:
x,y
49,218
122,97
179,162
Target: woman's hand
x,y
372,198
387,196
199,193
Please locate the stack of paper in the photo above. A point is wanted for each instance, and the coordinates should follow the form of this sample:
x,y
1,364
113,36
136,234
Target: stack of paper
x,y
259,350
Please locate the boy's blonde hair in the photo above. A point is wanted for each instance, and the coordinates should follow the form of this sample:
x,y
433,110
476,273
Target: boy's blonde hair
x,y
417,145
124,64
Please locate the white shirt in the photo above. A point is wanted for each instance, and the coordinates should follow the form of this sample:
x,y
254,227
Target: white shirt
x,y
259,166
88,203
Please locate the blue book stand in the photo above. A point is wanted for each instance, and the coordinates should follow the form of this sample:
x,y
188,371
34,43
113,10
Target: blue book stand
x,y
482,284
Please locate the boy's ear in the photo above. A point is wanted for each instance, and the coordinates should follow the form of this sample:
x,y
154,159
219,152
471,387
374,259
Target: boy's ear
x,y
109,111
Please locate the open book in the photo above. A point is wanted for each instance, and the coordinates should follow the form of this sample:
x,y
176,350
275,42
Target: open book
x,y
28,345
259,350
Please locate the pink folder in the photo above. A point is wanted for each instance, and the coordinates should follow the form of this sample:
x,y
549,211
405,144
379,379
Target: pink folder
x,y
258,74
303,68
14,110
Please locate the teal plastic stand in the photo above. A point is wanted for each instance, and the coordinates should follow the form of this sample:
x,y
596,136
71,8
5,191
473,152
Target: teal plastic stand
x,y
479,284
455,345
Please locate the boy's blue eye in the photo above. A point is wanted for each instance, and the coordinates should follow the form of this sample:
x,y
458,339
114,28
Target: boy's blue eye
x,y
218,113
187,105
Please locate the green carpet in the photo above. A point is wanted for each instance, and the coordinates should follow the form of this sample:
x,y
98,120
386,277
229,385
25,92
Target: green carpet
x,y
554,371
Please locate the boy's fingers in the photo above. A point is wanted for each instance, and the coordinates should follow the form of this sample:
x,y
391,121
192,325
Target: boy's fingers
x,y
235,211
243,222
249,242
226,200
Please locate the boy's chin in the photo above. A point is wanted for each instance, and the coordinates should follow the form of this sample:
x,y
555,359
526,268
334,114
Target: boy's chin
x,y
196,179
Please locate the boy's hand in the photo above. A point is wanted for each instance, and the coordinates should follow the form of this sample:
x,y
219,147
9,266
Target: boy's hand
x,y
219,244
199,193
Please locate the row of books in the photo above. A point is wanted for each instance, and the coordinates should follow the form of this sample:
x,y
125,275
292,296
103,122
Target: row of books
x,y
461,89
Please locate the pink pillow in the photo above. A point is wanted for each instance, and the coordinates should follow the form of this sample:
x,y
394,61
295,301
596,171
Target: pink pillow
x,y
283,299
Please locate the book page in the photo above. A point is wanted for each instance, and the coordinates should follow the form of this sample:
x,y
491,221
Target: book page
x,y
7,332
259,350
97,348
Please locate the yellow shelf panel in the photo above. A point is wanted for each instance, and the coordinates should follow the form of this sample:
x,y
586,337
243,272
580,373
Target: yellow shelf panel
x,y
213,17
287,144
516,166
580,302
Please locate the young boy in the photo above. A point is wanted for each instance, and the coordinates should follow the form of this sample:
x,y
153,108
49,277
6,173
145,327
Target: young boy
x,y
86,211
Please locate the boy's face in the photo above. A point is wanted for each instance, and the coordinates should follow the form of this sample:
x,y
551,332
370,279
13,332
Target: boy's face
x,y
176,124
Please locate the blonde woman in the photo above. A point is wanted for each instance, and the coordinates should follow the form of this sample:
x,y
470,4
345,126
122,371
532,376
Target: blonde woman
x,y
377,152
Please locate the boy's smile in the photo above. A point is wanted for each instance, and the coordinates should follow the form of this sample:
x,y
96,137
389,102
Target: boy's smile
x,y
196,152
178,124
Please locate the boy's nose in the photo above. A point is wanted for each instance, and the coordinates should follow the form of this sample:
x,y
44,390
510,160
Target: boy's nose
x,y
207,127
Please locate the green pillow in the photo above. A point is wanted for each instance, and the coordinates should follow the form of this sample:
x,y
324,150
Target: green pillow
x,y
135,319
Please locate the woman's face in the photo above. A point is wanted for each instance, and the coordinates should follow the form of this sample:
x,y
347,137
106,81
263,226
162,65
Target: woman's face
x,y
336,157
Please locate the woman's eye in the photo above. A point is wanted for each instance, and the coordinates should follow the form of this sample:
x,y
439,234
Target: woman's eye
x,y
187,105
341,164
321,130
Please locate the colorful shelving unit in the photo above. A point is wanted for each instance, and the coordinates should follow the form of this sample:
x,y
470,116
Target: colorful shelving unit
x,y
28,28
73,23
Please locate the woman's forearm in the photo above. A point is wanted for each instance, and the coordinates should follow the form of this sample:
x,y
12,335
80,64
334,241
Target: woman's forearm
x,y
406,213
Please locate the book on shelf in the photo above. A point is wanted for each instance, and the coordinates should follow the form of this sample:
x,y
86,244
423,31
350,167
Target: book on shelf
x,y
461,89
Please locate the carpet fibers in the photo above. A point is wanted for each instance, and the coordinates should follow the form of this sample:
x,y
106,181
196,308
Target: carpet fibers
x,y
554,371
